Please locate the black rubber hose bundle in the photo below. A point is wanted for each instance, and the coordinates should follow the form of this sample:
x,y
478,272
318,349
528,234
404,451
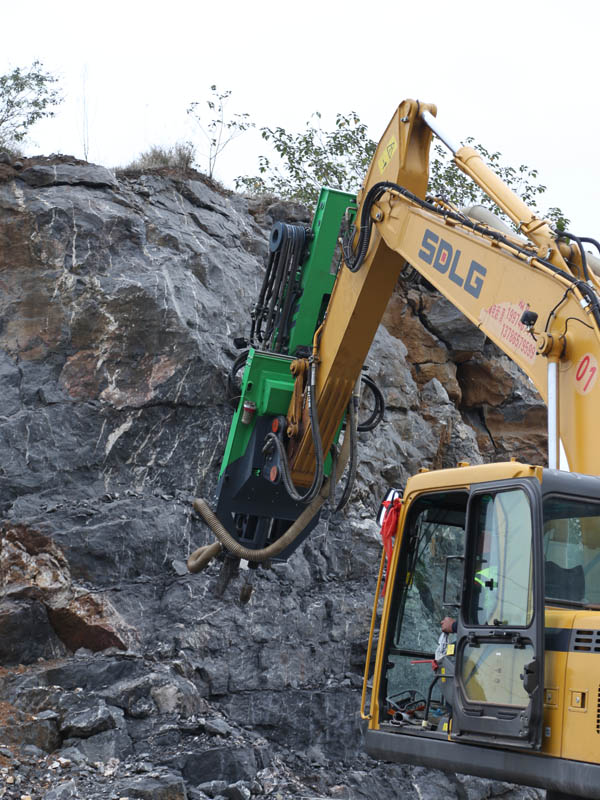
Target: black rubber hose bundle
x,y
272,439
280,288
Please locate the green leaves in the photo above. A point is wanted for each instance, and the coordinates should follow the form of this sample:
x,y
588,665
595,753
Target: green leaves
x,y
340,158
26,96
337,158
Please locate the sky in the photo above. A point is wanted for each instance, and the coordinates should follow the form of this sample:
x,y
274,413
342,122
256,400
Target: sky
x,y
520,77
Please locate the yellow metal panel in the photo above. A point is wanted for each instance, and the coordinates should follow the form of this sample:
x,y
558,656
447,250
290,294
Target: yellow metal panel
x,y
555,663
492,287
581,740
554,673
459,477
581,724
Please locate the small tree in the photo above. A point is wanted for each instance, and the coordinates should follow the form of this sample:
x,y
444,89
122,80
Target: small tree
x,y
340,158
26,96
219,130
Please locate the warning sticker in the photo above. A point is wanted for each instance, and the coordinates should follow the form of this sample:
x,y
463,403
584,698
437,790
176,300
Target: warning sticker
x,y
503,321
388,152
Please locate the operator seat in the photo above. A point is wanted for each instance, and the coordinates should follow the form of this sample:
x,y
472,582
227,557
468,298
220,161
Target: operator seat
x,y
564,583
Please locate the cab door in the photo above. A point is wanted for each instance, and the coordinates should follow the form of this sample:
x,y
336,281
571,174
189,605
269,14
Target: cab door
x,y
499,670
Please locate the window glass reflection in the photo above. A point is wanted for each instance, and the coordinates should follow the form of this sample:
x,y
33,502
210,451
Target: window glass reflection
x,y
491,673
501,591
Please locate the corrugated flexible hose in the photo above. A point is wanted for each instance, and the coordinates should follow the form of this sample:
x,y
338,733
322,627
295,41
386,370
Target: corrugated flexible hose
x,y
201,557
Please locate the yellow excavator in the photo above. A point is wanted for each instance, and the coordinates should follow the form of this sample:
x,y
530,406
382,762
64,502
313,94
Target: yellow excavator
x,y
508,554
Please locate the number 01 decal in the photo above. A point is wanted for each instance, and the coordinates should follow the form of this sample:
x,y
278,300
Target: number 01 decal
x,y
586,373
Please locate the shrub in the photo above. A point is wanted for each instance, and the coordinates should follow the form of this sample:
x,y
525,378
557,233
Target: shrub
x,y
180,156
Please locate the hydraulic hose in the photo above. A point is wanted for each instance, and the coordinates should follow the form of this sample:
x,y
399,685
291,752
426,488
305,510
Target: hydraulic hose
x,y
376,415
354,260
271,316
233,388
579,242
351,435
202,556
272,440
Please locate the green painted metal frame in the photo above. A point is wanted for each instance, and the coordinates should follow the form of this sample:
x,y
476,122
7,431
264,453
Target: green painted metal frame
x,y
268,383
267,380
318,274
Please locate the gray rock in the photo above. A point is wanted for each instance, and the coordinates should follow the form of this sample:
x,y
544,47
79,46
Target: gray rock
x,y
90,175
167,787
104,746
450,325
212,788
229,764
49,714
73,754
88,721
64,791
180,567
237,791
195,794
315,756
218,727
41,640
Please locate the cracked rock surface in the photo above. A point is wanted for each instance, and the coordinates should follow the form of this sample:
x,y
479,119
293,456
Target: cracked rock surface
x,y
121,674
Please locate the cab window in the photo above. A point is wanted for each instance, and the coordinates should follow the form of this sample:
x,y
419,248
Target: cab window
x,y
572,550
500,579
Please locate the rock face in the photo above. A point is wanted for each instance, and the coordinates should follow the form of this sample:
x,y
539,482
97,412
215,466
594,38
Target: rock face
x,y
122,674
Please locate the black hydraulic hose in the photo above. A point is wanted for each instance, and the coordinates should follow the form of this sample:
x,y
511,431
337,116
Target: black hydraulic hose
x,y
379,409
280,260
272,439
351,427
589,240
334,459
296,249
265,291
586,273
429,693
201,557
233,389
592,298
281,287
353,262
560,302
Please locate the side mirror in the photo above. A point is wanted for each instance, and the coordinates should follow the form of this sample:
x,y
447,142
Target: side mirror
x,y
453,581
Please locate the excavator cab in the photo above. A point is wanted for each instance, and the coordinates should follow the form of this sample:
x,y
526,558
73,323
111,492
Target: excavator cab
x,y
472,553
510,552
